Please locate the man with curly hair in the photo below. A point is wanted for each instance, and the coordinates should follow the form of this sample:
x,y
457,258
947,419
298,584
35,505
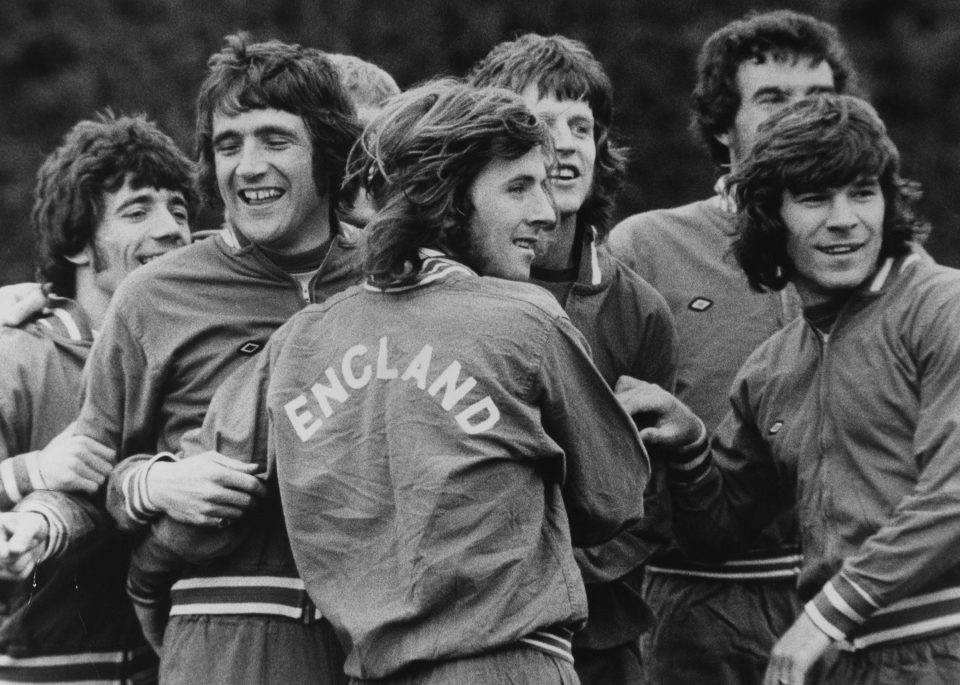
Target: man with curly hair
x,y
116,194
849,411
716,622
626,322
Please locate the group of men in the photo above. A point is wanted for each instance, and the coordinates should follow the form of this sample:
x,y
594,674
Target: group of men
x,y
411,416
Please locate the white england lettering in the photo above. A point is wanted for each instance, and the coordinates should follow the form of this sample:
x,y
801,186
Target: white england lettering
x,y
301,422
419,367
452,394
383,372
486,404
336,391
347,370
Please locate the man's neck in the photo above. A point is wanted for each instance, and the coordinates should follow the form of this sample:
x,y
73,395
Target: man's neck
x,y
559,250
90,297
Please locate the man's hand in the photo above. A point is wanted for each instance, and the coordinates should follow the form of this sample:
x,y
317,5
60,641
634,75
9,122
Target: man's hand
x,y
664,421
21,301
208,489
23,537
75,463
796,652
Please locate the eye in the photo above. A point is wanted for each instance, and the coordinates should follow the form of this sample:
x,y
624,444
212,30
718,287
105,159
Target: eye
x,y
771,97
276,143
811,199
226,148
180,214
867,192
135,214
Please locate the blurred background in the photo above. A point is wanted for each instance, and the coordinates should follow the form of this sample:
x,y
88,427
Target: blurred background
x,y
62,61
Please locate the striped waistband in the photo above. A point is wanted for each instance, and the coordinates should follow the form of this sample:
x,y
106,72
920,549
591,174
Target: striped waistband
x,y
911,618
89,668
257,595
555,641
758,568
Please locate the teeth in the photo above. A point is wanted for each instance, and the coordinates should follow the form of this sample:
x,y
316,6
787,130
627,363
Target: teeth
x,y
260,195
564,174
526,243
839,249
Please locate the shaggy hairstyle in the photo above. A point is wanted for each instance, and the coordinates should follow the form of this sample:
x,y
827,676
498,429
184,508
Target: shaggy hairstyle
x,y
783,36
418,160
367,85
245,76
95,158
566,69
818,143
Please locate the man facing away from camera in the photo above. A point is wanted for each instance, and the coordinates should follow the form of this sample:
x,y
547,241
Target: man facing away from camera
x,y
440,436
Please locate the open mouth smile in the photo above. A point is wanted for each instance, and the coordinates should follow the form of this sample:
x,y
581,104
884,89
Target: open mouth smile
x,y
260,196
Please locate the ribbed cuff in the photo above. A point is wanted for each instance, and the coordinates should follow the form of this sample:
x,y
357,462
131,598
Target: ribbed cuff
x,y
19,476
840,607
136,495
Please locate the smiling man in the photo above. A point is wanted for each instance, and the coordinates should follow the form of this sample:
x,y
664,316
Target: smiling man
x,y
440,435
850,411
716,622
116,194
626,322
274,127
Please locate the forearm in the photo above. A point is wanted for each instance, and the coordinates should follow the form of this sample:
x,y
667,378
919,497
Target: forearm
x,y
74,521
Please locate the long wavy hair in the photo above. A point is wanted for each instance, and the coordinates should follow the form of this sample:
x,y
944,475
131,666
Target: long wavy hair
x,y
566,69
821,142
245,76
418,160
781,36
95,158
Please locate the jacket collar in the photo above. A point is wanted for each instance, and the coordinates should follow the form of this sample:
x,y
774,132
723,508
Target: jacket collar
x,y
434,267
66,320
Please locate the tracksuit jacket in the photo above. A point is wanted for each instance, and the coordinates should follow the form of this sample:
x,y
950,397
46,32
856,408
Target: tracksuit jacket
x,y
685,253
860,428
439,447
630,331
71,620
152,374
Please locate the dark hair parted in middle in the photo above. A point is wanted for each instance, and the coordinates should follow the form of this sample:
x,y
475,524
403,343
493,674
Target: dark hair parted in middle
x,y
245,76
418,159
819,143
566,69
781,35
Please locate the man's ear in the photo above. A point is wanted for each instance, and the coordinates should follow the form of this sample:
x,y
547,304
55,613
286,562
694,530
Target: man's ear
x,y
82,257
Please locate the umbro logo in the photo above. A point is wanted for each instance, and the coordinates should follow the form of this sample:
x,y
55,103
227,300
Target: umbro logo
x,y
250,348
700,304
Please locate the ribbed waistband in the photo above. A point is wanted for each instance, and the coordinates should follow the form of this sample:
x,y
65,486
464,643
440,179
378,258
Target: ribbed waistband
x,y
911,618
555,641
257,595
774,566
83,667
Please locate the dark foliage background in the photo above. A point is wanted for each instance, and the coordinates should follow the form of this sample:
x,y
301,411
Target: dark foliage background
x,y
61,61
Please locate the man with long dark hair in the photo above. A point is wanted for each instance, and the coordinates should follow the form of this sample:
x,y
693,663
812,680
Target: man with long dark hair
x,y
849,412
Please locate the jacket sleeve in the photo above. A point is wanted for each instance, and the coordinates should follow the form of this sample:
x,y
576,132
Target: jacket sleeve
x,y
725,491
606,467
921,539
236,425
74,520
120,407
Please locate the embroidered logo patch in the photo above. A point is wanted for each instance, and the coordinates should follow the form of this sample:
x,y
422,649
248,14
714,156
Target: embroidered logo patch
x,y
775,427
700,304
250,348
